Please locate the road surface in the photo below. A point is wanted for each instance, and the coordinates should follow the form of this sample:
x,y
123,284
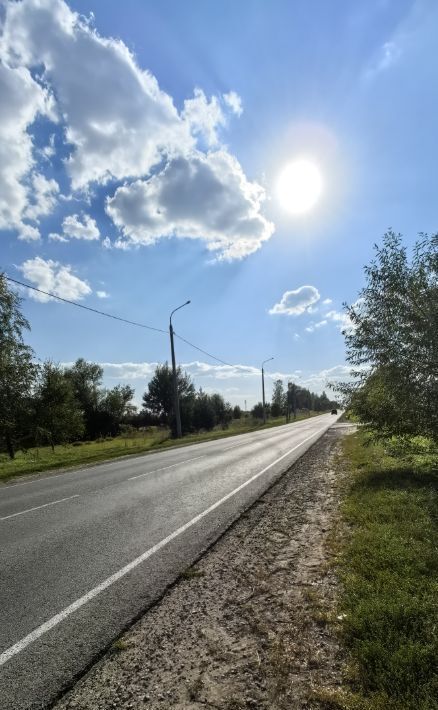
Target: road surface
x,y
85,552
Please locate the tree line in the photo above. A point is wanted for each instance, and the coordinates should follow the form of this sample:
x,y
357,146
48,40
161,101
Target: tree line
x,y
48,404
200,410
392,342
292,399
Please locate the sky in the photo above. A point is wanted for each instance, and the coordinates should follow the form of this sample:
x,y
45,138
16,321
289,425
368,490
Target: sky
x,y
141,148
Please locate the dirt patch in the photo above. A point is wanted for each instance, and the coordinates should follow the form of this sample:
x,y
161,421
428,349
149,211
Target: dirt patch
x,y
252,625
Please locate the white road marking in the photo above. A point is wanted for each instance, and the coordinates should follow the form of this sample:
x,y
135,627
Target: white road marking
x,y
9,484
38,507
58,618
164,468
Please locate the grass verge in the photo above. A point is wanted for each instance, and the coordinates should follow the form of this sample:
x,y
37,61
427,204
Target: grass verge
x,y
388,569
37,460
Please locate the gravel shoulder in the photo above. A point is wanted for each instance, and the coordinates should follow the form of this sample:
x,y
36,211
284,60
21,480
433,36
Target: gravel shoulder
x,y
252,624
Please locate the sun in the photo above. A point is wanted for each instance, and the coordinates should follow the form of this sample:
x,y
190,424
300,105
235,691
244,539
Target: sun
x,y
299,186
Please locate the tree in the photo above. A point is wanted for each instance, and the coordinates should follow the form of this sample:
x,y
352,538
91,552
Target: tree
x,y
222,410
237,412
278,399
322,403
291,399
58,417
203,412
304,398
159,397
392,343
257,411
86,379
17,370
113,406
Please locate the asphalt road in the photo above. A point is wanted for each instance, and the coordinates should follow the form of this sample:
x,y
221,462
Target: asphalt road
x,y
85,552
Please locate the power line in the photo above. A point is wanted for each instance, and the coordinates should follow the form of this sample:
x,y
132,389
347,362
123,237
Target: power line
x,y
213,357
110,315
85,308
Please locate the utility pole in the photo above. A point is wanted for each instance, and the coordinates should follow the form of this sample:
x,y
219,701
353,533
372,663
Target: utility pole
x,y
174,377
263,388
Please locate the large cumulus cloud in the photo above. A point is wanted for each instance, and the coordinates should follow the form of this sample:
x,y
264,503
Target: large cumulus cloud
x,y
115,123
200,196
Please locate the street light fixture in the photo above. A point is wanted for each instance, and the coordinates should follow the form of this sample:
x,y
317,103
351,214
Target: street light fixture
x,y
263,388
174,377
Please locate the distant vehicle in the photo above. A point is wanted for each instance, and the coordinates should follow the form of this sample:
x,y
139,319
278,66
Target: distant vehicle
x,y
334,411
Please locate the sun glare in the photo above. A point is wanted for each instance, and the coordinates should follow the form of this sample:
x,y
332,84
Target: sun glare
x,y
299,186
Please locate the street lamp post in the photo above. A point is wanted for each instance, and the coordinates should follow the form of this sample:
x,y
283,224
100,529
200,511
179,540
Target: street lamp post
x,y
263,388
174,377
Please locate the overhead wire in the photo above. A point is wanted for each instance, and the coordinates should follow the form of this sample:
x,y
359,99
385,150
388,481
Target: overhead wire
x,y
213,357
118,318
86,308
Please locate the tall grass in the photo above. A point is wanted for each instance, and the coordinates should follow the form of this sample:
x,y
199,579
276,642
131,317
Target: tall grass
x,y
389,568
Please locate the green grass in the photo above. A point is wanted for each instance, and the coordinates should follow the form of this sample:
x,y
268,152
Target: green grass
x,y
43,459
388,567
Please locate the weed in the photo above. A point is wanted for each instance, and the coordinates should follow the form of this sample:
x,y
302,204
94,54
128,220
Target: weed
x,y
119,646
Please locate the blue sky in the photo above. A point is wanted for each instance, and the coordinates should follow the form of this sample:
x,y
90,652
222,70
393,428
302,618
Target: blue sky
x,y
141,145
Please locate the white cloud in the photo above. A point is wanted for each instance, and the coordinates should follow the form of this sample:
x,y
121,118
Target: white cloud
x,y
106,243
117,119
117,124
297,302
42,197
102,294
55,237
49,150
129,370
80,227
28,233
314,326
204,197
203,116
388,54
22,100
319,380
326,301
243,381
341,319
54,277
234,102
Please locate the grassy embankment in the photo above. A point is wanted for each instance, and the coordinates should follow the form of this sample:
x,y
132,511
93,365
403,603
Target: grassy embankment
x,y
388,568
40,459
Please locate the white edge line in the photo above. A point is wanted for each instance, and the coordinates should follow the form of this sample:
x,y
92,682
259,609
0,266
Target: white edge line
x,y
55,620
38,507
164,468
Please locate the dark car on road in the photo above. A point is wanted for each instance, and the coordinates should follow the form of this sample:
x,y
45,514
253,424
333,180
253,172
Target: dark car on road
x,y
334,411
